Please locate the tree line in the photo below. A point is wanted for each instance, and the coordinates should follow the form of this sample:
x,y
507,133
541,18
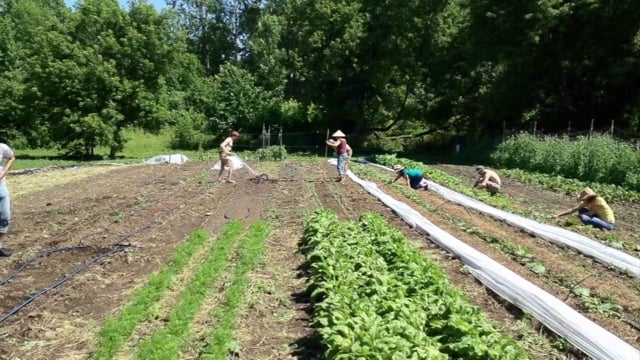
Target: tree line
x,y
77,77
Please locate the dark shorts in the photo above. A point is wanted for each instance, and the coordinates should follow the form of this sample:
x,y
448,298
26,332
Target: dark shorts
x,y
416,182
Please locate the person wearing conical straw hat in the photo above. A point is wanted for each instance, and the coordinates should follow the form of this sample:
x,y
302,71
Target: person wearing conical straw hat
x,y
338,142
593,210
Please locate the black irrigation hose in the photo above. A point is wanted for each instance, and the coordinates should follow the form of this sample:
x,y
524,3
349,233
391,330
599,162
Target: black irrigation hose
x,y
118,248
38,256
76,247
61,281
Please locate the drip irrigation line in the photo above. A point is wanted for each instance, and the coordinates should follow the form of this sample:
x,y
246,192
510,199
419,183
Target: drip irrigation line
x,y
62,280
38,256
116,247
50,251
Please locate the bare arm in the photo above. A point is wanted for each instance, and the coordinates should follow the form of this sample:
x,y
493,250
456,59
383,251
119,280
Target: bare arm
x,y
7,167
569,211
332,143
479,181
398,176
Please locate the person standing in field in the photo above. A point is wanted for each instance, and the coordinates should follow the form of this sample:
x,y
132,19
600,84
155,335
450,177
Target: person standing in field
x,y
225,155
593,210
487,179
7,159
414,177
339,143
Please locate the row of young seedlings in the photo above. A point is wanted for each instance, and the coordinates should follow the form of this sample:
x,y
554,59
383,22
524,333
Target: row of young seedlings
x,y
590,300
168,341
374,296
503,202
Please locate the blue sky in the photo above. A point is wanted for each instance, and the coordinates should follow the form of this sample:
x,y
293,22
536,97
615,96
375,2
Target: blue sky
x,y
158,4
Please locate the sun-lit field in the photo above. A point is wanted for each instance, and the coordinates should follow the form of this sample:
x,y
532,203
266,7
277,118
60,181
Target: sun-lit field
x,y
175,265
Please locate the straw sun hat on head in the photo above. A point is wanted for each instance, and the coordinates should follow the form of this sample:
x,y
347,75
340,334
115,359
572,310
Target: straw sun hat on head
x,y
586,194
338,134
397,167
480,168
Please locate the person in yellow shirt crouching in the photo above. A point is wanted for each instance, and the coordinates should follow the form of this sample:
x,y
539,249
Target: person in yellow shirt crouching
x,y
593,210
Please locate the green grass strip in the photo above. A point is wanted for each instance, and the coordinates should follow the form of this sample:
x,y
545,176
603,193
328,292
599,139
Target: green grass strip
x,y
220,340
166,342
116,330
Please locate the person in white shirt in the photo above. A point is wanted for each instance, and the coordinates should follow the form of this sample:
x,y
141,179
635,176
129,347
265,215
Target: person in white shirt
x,y
225,155
6,161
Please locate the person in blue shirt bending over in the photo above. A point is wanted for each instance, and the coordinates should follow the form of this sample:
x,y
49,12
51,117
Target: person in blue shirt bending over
x,y
414,177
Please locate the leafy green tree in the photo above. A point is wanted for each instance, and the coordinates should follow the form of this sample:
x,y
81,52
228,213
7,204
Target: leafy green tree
x,y
106,73
237,101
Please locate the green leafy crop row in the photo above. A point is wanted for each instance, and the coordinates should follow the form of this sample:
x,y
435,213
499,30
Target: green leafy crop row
x,y
593,303
375,297
445,179
596,159
117,329
572,186
505,203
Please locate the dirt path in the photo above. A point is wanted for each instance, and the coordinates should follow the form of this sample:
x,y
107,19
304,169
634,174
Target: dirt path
x,y
274,321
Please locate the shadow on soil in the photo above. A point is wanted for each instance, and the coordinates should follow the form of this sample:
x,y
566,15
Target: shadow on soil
x,y
309,346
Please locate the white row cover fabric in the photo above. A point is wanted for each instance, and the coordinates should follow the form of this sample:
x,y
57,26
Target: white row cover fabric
x,y
167,159
598,251
236,163
583,333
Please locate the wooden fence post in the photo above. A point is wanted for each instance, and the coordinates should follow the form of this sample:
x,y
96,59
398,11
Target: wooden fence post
x,y
612,121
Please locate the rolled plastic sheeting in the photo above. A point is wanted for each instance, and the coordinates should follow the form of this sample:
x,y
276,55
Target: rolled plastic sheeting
x,y
236,163
583,333
167,159
600,252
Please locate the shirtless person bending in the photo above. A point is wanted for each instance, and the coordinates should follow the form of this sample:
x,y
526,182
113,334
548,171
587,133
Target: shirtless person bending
x,y
487,179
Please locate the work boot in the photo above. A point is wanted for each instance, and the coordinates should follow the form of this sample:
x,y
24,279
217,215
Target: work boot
x,y
5,252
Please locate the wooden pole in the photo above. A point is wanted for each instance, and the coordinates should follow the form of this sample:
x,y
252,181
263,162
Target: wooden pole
x,y
535,126
591,128
612,121
326,153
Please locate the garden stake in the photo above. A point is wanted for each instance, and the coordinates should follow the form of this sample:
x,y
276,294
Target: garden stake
x,y
326,151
